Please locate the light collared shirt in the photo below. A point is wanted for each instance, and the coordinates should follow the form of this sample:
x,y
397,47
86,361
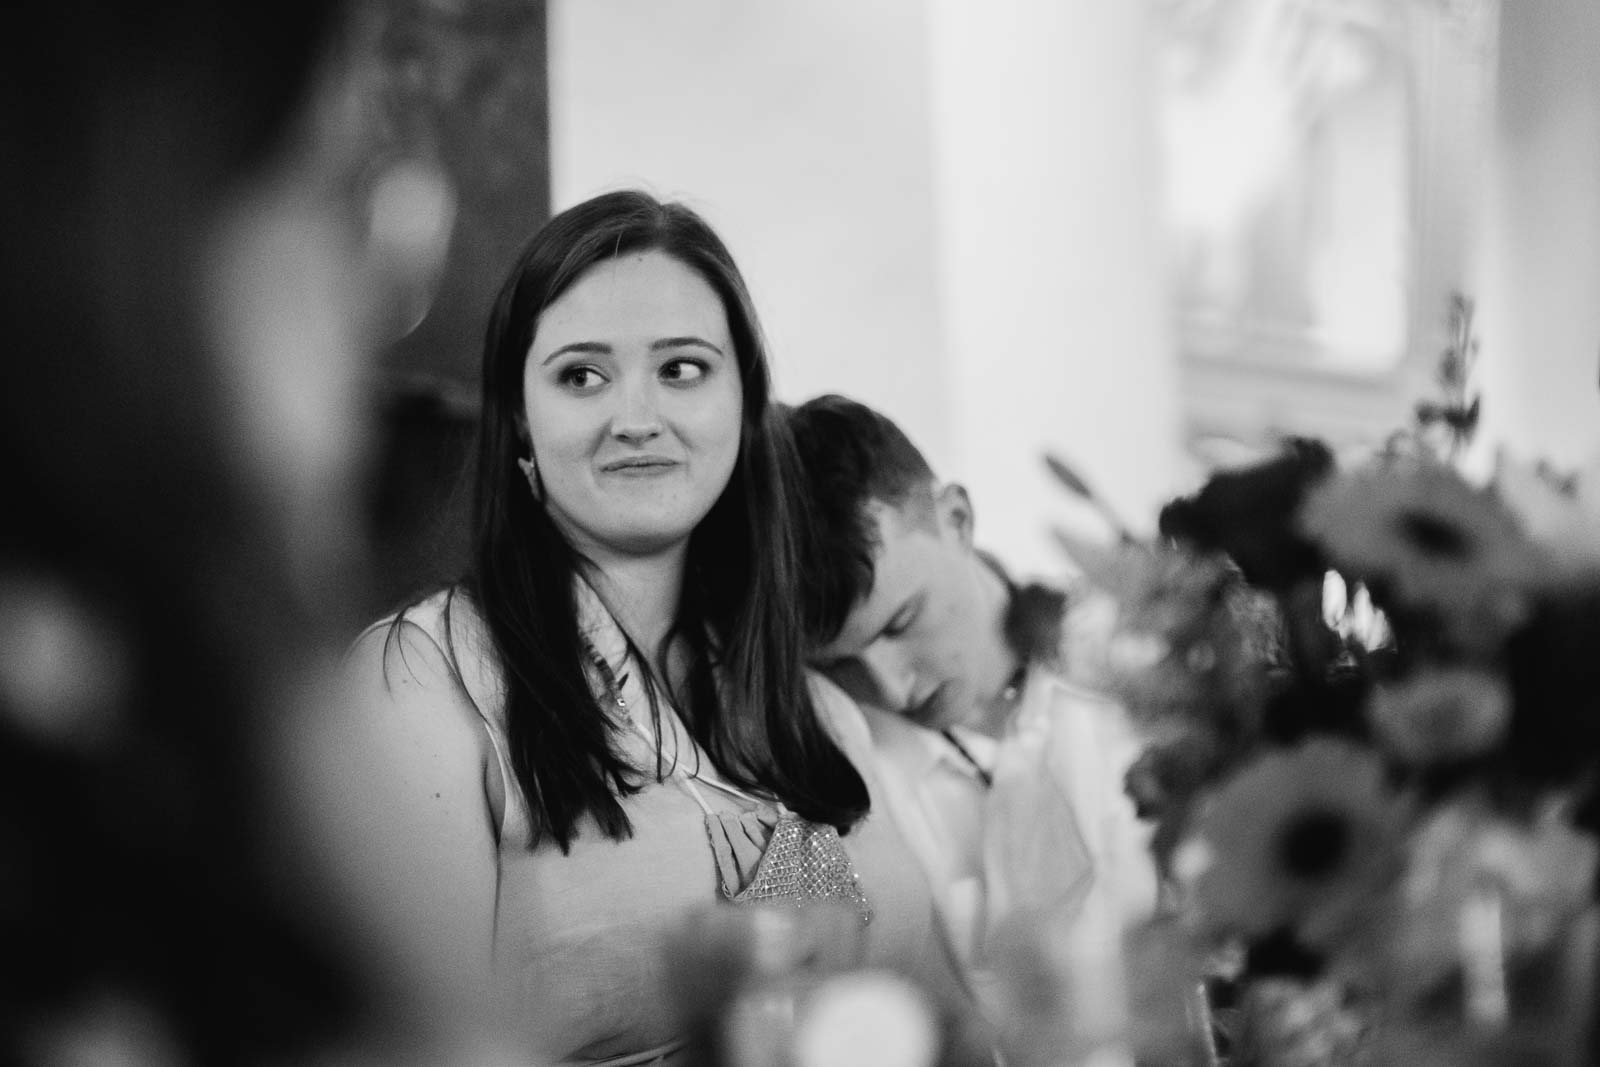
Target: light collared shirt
x,y
1053,829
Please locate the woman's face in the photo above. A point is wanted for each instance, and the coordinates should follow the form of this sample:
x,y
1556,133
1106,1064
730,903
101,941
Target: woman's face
x,y
634,405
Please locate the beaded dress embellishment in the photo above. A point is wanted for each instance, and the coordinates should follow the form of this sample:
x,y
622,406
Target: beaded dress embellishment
x,y
803,862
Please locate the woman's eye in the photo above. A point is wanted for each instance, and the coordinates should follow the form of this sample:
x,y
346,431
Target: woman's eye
x,y
683,370
581,377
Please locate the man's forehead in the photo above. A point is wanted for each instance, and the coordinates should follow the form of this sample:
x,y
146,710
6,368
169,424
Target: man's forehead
x,y
893,575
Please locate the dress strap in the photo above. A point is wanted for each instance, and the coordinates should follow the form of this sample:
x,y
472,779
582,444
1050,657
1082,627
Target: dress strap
x,y
677,773
660,1055
613,688
449,621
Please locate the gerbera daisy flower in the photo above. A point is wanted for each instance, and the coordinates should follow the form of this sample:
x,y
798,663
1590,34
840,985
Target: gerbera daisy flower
x,y
1248,515
1303,840
1441,715
1435,543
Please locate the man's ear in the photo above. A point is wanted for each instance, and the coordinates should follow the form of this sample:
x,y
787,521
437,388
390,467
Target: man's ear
x,y
954,509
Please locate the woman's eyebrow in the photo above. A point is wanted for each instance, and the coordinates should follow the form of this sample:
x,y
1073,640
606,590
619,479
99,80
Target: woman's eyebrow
x,y
595,348
683,342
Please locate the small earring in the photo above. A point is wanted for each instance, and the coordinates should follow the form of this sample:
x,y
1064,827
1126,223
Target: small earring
x,y
530,471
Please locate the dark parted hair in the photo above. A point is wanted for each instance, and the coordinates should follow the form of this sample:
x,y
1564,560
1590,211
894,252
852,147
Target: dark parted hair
x,y
849,455
745,698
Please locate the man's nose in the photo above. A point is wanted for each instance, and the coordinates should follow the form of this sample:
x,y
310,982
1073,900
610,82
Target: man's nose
x,y
891,673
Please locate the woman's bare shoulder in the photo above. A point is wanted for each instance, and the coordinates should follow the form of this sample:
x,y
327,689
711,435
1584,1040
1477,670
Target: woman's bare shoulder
x,y
411,672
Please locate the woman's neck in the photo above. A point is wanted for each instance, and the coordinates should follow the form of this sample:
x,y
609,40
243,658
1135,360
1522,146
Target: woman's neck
x,y
642,594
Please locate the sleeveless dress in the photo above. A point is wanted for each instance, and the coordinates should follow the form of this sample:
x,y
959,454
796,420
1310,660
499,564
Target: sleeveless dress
x,y
580,938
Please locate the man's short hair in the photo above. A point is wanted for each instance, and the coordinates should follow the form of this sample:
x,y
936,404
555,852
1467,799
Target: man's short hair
x,y
849,456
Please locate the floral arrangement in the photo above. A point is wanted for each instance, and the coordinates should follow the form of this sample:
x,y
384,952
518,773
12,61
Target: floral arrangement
x,y
1373,703
1370,697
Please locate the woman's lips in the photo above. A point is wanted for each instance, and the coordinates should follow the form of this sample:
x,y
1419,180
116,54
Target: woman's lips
x,y
640,466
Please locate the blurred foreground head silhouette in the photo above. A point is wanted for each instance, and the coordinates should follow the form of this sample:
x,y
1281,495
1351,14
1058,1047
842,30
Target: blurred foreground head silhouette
x,y
156,601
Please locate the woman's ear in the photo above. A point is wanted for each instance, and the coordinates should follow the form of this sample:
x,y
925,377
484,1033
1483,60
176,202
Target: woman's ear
x,y
954,509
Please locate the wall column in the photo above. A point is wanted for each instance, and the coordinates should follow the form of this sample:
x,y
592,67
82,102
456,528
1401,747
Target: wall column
x,y
1539,288
1052,267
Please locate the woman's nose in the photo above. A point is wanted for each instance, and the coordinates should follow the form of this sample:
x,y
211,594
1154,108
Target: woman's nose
x,y
638,417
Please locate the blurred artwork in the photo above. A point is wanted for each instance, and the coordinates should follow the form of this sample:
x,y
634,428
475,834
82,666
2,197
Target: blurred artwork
x,y
438,117
1288,132
455,91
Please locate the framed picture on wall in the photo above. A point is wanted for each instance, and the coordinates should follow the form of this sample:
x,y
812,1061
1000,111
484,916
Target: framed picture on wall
x,y
1320,158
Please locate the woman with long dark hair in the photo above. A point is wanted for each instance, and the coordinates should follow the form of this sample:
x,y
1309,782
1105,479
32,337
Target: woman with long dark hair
x,y
607,725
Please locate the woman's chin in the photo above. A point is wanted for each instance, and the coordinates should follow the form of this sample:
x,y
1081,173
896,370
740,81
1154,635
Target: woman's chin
x,y
648,539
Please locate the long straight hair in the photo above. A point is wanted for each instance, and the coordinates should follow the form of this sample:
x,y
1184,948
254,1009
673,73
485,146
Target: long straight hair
x,y
745,699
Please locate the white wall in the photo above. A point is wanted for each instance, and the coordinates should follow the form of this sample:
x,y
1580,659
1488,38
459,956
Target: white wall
x,y
801,131
1053,271
1540,273
944,208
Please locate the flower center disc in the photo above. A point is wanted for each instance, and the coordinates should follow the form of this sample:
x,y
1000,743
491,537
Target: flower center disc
x,y
1434,535
1314,843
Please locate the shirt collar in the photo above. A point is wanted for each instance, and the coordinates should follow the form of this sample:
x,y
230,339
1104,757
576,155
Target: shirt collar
x,y
968,752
